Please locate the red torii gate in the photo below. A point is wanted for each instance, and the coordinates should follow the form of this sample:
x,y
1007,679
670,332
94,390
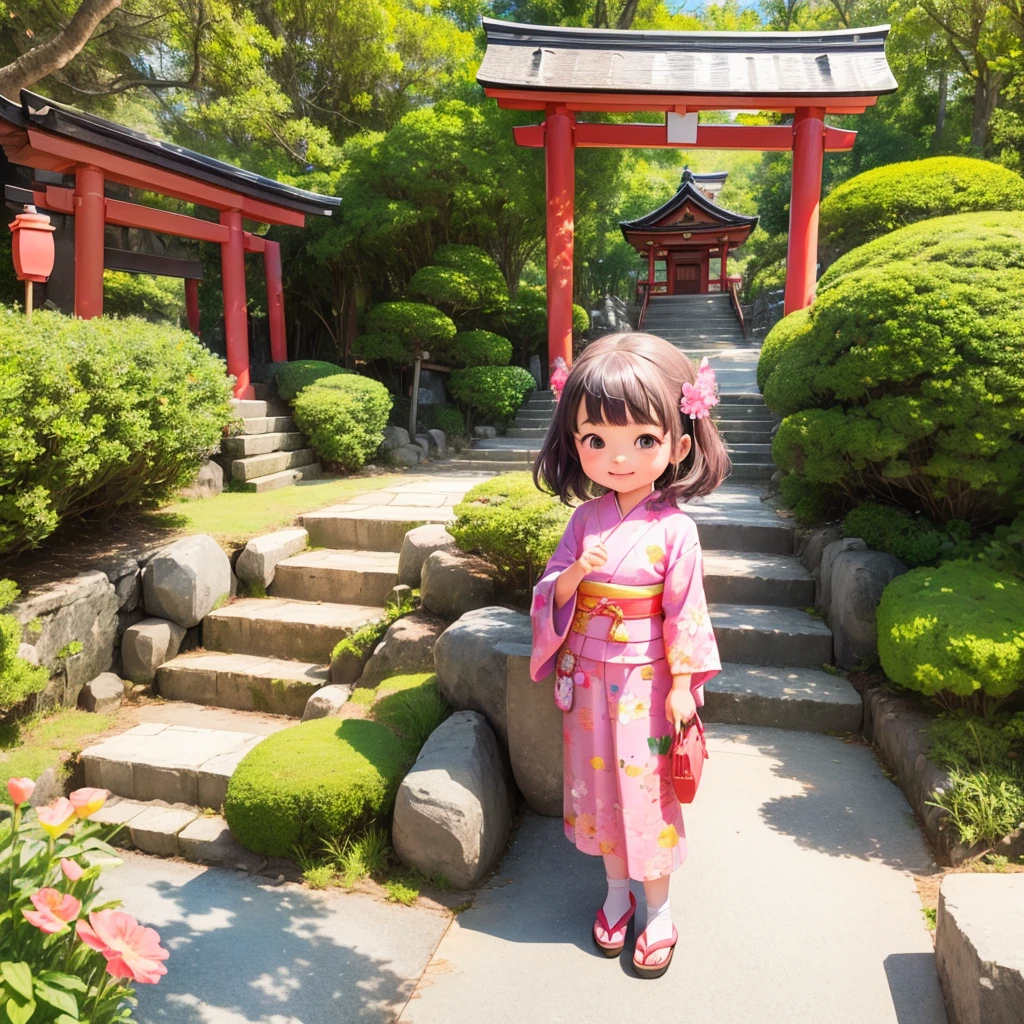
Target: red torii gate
x,y
46,136
568,71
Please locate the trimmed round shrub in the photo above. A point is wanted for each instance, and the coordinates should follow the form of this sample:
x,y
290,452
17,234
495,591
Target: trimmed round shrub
x,y
344,417
890,197
98,415
512,525
493,392
292,377
957,629
461,279
914,541
904,382
477,348
525,319
396,331
580,321
444,417
314,781
782,336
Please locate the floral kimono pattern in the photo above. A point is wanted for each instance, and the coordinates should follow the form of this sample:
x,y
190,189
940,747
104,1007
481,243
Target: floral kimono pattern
x,y
618,793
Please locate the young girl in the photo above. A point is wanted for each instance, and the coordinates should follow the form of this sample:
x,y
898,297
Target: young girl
x,y
620,613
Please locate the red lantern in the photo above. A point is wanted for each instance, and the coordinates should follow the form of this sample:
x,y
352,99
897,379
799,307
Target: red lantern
x,y
32,246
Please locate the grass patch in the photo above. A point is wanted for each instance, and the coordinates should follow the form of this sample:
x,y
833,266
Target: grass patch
x,y
45,740
357,857
931,915
318,876
401,892
235,516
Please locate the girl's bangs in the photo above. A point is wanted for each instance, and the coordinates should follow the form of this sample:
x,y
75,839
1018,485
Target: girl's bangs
x,y
615,391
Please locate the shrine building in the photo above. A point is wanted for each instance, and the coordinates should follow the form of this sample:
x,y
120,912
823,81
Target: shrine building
x,y
79,169
687,241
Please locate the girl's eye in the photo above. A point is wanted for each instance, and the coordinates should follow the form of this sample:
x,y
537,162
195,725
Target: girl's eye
x,y
647,441
593,441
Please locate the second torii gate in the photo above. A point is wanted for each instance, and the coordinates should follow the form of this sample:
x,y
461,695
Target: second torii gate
x,y
571,71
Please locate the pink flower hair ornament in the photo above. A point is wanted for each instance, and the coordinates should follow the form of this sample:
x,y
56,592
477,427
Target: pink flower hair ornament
x,y
559,375
699,397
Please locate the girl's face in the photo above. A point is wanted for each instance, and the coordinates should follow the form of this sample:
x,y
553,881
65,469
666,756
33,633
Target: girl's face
x,y
628,458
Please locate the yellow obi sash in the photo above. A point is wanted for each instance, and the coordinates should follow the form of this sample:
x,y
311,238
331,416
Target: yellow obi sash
x,y
617,603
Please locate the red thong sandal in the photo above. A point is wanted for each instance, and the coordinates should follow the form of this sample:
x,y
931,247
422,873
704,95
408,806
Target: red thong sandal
x,y
620,926
645,951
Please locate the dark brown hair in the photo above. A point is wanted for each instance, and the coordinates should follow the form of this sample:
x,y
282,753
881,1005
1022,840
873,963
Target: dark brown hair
x,y
638,376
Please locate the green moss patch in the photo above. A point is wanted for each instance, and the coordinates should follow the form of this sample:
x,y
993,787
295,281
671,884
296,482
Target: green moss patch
x,y
322,780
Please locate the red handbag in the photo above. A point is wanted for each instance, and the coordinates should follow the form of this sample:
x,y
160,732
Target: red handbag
x,y
688,757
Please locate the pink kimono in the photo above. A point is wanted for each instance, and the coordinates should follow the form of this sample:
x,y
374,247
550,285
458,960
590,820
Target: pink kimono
x,y
632,624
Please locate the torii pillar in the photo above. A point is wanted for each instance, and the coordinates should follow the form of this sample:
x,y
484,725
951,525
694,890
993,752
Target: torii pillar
x,y
560,184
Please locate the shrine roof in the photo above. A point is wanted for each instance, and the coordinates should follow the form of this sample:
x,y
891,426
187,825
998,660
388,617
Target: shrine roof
x,y
39,112
812,65
689,191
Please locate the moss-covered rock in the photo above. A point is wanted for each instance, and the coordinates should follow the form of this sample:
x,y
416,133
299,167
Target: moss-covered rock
x,y
956,629
325,778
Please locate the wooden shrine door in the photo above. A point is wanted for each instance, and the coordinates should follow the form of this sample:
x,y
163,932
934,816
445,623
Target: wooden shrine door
x,y
686,279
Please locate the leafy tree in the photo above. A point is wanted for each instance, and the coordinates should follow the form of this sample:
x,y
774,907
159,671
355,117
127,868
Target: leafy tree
x,y
462,279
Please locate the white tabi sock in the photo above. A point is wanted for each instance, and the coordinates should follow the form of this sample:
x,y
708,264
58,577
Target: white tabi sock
x,y
617,902
659,922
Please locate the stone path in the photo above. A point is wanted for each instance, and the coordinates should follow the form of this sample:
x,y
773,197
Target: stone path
x,y
244,951
797,903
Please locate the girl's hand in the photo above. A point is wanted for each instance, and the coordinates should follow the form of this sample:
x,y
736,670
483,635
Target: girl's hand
x,y
592,558
680,706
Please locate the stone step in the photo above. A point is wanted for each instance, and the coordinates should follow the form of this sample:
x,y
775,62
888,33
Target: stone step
x,y
742,454
268,425
486,454
287,477
782,698
535,432
250,408
279,627
528,419
748,448
770,635
737,435
344,576
744,398
492,466
262,444
741,531
244,682
735,413
736,577
743,472
179,831
254,466
178,764
372,528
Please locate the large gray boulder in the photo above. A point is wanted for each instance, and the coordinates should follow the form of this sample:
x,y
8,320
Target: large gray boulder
x,y
812,545
408,646
440,442
257,563
470,661
535,725
147,645
59,618
185,581
207,483
407,455
453,811
979,947
395,437
102,694
419,544
453,583
326,702
857,581
828,556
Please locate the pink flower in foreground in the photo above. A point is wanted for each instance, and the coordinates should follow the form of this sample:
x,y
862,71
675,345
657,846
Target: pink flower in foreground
x,y
53,910
88,801
132,952
72,870
20,790
55,818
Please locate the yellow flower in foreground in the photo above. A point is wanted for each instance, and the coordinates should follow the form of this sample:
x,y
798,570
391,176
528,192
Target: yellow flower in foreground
x,y
55,818
633,770
607,847
668,837
647,672
597,763
88,801
586,826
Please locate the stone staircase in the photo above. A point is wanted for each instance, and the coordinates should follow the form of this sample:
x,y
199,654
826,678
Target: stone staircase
x,y
262,658
270,452
519,448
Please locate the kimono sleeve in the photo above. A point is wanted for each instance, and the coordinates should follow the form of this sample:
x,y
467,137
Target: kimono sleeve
x,y
690,645
551,624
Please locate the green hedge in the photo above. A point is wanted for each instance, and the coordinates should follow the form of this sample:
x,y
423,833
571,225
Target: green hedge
x,y
18,678
512,525
444,417
292,377
580,321
957,629
98,415
904,383
495,393
890,197
477,348
461,279
344,417
327,778
786,333
396,331
914,541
